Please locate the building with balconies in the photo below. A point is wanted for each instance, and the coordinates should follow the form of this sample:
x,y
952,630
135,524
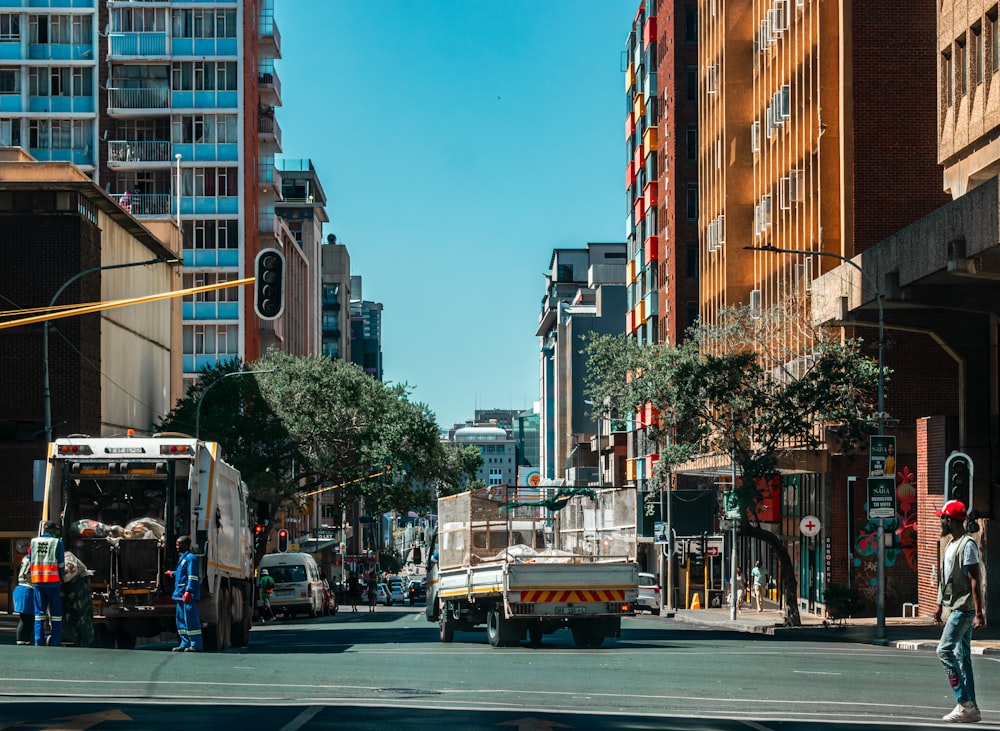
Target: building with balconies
x,y
168,106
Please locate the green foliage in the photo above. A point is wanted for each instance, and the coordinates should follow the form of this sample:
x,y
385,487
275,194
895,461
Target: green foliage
x,y
735,389
461,463
315,421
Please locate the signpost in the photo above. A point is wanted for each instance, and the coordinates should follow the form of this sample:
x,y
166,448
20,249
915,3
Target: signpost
x,y
882,456
881,498
810,526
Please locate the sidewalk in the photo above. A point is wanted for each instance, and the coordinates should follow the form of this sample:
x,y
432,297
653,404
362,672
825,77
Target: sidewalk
x,y
904,633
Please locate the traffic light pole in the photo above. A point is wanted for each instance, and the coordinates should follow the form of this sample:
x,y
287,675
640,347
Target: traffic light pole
x,y
880,417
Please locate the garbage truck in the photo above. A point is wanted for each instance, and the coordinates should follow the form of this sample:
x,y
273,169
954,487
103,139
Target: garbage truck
x,y
495,561
121,503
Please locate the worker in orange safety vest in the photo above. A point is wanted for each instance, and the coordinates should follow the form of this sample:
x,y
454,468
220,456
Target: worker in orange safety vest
x,y
47,573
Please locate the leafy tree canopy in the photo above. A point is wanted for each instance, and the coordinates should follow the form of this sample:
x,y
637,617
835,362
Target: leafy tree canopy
x,y
304,423
739,389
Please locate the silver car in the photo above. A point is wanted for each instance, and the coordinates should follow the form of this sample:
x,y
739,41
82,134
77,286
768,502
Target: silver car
x,y
649,594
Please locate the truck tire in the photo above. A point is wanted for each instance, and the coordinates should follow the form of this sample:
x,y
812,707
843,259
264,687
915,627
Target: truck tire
x,y
535,634
499,629
446,628
587,634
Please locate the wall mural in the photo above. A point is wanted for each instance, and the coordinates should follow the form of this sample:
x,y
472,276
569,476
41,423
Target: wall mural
x,y
904,525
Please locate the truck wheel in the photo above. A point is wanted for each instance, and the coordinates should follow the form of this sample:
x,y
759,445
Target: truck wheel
x,y
587,634
535,635
498,628
446,628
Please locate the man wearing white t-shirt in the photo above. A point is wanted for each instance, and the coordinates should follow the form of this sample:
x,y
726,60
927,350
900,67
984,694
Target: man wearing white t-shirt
x,y
959,591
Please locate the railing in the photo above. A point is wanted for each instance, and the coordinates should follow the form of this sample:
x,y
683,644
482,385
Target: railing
x,y
269,126
269,77
138,44
145,204
158,98
269,29
121,151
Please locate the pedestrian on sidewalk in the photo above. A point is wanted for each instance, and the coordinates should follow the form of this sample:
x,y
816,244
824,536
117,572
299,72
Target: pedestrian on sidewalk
x,y
959,591
759,577
372,584
741,589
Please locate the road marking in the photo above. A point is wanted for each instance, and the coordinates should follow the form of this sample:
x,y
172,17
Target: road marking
x,y
814,672
302,719
87,720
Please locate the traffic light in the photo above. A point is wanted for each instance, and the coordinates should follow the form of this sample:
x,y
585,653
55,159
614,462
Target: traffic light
x,y
958,478
269,288
282,540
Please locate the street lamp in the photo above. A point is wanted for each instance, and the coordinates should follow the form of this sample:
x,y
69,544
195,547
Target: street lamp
x,y
46,392
209,387
880,417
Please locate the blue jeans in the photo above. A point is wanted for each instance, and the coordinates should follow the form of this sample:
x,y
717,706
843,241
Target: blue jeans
x,y
48,597
955,652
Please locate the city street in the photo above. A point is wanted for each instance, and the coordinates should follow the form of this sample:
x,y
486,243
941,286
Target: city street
x,y
370,671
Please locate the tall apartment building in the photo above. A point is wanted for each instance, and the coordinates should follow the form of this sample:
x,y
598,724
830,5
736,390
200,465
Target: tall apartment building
x,y
816,127
167,106
661,183
584,292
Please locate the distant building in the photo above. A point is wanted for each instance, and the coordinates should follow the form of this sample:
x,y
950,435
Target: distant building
x,y
584,292
336,300
498,450
366,331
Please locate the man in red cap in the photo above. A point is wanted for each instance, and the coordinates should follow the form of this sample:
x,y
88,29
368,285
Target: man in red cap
x,y
959,589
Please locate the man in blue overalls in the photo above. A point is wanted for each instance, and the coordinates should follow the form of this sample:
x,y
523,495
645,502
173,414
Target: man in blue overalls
x,y
187,591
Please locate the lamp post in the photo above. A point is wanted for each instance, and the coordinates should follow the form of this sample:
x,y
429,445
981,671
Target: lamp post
x,y
46,391
880,417
209,387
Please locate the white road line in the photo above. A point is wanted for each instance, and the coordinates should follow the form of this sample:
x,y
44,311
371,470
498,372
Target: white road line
x,y
302,719
815,672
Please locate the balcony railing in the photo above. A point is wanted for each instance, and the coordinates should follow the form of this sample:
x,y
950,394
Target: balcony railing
x,y
157,98
145,204
269,126
125,151
138,44
269,29
269,79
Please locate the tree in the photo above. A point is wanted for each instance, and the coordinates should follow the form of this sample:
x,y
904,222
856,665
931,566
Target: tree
x,y
462,463
314,421
736,389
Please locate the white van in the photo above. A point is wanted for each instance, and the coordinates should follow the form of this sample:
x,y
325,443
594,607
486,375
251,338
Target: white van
x,y
298,586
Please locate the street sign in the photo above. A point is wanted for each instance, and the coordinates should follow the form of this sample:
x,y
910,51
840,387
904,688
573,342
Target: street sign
x,y
712,550
810,526
732,505
881,456
881,497
660,532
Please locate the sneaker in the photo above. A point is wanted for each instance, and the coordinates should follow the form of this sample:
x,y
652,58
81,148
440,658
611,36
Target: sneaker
x,y
179,648
191,649
964,713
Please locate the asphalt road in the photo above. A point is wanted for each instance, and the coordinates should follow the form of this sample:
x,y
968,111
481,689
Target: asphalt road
x,y
388,670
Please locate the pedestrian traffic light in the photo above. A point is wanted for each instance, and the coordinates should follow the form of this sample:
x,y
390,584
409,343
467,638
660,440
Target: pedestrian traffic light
x,y
958,478
269,287
282,540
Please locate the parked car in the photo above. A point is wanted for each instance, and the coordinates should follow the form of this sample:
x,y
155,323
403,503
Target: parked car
x,y
649,593
416,591
396,594
382,596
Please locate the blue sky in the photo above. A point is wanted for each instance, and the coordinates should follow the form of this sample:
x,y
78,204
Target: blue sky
x,y
458,143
